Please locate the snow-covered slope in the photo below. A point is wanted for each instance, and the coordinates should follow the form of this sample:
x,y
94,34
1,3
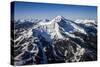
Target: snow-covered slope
x,y
68,25
59,25
54,41
86,21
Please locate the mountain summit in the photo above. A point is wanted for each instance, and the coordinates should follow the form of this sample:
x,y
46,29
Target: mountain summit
x,y
58,26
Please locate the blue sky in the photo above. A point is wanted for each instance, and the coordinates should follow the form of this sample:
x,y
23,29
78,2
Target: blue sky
x,y
28,10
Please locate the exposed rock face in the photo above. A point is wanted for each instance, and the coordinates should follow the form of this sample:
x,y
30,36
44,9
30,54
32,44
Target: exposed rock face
x,y
56,41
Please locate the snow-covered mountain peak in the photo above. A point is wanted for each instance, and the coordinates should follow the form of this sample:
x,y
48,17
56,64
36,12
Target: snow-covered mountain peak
x,y
58,18
59,25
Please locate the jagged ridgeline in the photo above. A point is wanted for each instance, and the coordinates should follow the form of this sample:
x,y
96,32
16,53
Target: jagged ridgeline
x,y
57,40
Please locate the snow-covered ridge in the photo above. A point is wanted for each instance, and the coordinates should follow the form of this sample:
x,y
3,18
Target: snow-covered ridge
x,y
53,41
85,21
53,27
60,24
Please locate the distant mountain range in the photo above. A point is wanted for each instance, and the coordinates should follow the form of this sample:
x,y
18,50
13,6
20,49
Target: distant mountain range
x,y
54,41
